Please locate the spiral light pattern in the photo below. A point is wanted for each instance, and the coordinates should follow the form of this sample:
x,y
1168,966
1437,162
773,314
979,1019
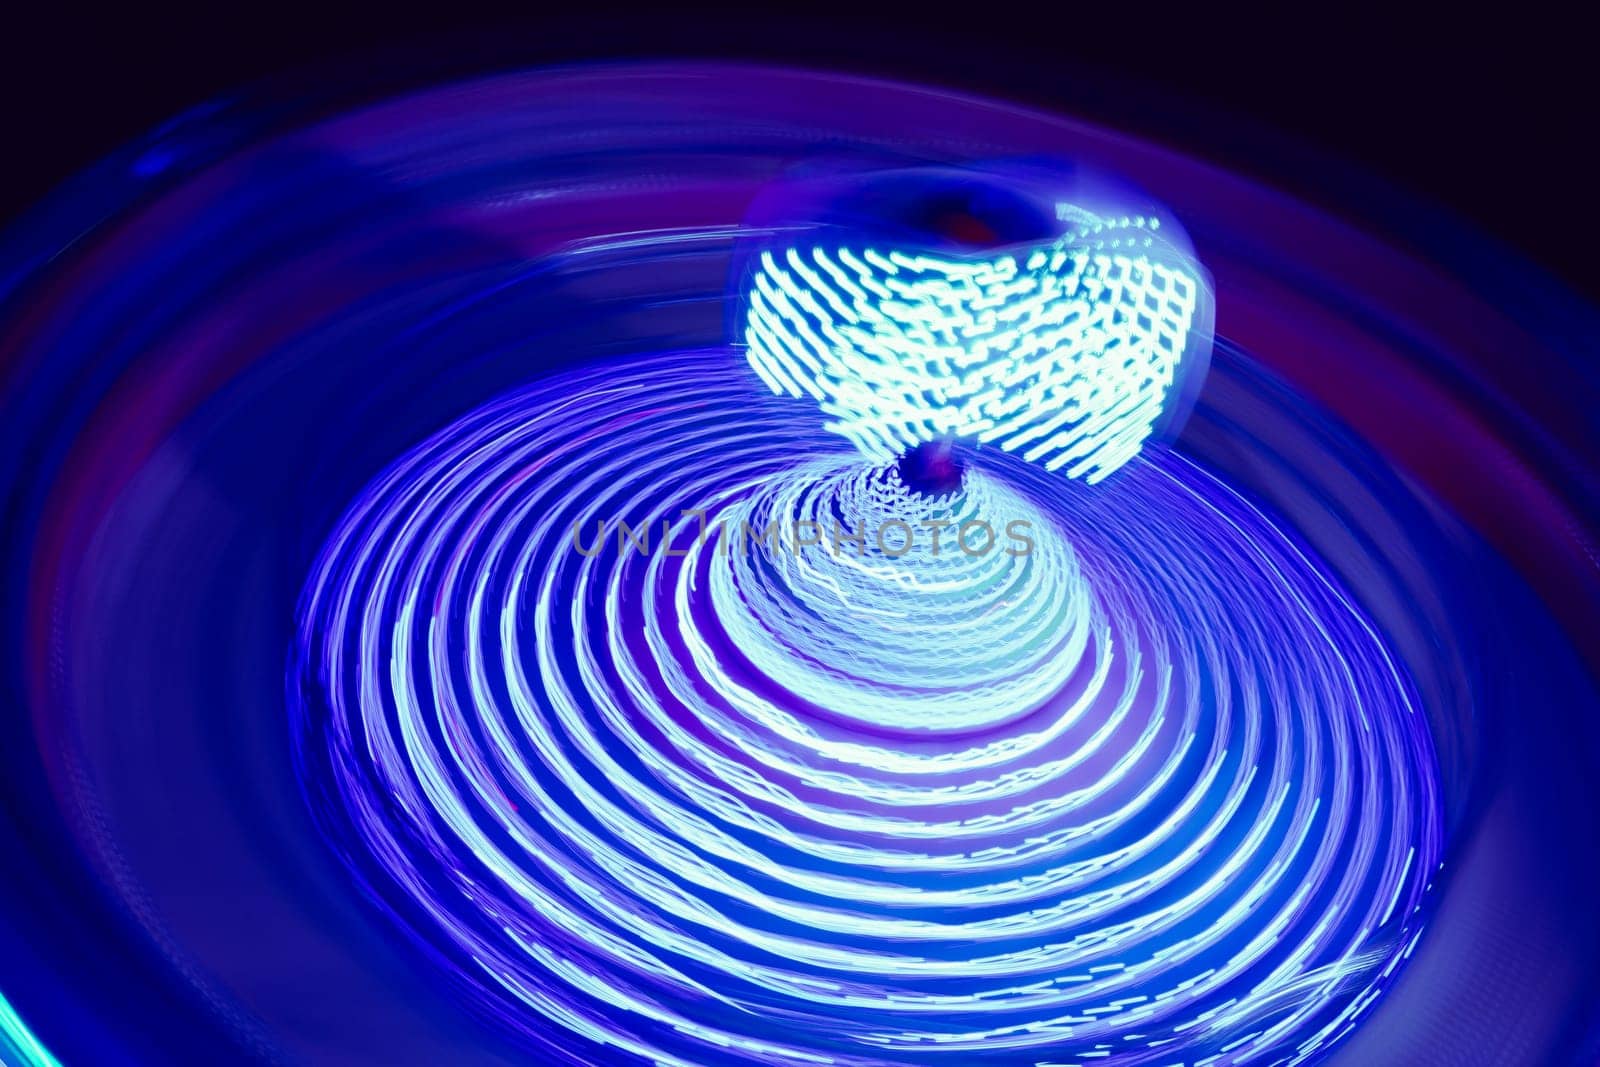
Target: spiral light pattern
x,y
731,785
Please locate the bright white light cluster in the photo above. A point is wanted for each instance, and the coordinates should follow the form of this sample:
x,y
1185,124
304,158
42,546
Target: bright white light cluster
x,y
1064,354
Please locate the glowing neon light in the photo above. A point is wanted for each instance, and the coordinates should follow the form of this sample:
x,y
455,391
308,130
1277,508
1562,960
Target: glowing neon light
x,y
1170,800
18,1046
1064,355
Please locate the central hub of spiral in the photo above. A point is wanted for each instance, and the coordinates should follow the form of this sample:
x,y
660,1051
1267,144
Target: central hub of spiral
x,y
932,468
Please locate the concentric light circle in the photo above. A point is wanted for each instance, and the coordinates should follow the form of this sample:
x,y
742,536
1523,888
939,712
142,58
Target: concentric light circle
x,y
1148,790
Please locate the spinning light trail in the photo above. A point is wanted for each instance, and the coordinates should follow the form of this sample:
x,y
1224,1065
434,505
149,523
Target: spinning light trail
x,y
1151,791
1064,354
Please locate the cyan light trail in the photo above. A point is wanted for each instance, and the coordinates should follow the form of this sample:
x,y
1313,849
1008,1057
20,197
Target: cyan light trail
x,y
1065,354
1153,791
18,1046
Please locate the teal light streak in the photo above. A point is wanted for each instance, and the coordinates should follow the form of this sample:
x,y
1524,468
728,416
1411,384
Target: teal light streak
x,y
18,1046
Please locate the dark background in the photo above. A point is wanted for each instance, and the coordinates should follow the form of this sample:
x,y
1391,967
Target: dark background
x,y
1489,117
